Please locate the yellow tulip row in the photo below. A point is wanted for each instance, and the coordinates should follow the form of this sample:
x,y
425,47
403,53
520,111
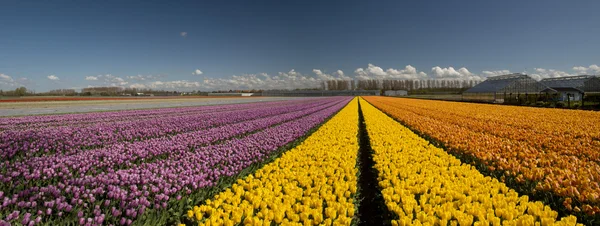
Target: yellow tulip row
x,y
424,185
314,183
558,149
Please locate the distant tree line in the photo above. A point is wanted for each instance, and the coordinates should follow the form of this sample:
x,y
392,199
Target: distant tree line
x,y
102,91
61,92
339,85
21,91
120,91
408,85
415,84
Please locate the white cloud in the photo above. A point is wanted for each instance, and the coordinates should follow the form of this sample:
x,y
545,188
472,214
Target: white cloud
x,y
108,80
91,78
494,73
197,72
375,72
323,76
451,73
293,79
5,78
371,72
283,80
53,77
340,75
409,72
183,34
24,81
593,69
138,86
179,84
144,77
580,69
541,73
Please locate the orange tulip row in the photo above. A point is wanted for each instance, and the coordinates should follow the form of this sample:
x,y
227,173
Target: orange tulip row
x,y
559,149
424,185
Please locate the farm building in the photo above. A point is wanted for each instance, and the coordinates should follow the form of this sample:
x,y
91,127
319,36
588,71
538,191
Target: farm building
x,y
504,88
571,88
395,93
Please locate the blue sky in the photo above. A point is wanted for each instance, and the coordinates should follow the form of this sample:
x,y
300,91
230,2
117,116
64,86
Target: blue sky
x,y
275,44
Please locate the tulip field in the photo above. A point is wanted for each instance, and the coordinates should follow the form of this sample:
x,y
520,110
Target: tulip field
x,y
309,161
422,184
552,155
116,168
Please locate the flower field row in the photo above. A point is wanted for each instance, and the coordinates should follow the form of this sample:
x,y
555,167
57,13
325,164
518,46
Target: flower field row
x,y
423,184
79,120
52,140
153,175
545,150
314,183
42,121
145,145
84,120
42,99
60,167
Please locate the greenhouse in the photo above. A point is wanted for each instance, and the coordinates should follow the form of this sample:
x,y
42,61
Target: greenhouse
x,y
573,87
515,87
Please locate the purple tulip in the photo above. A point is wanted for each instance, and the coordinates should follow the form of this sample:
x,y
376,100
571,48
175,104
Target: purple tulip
x,y
99,219
14,215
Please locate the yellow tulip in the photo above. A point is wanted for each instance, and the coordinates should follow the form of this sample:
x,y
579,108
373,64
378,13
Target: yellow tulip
x,y
199,216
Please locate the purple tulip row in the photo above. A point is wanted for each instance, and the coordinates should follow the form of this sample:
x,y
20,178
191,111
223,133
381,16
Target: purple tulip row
x,y
120,196
61,167
79,120
82,119
215,120
73,139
